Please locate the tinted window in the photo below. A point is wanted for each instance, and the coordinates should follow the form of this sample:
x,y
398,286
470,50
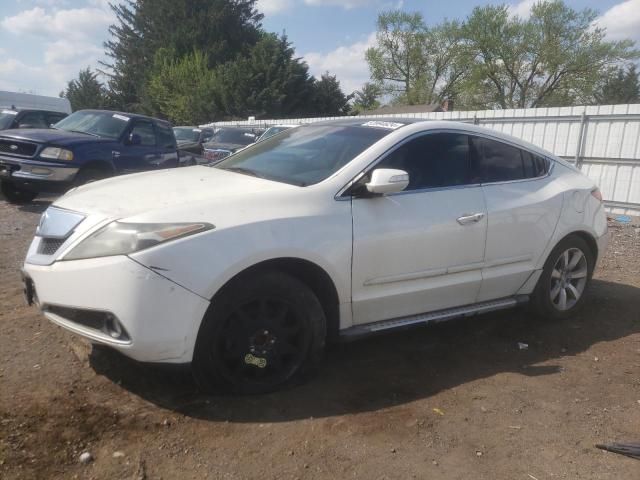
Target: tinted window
x,y
32,120
496,161
165,135
534,165
305,155
145,130
432,161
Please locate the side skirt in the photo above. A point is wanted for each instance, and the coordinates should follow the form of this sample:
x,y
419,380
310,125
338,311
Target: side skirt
x,y
359,331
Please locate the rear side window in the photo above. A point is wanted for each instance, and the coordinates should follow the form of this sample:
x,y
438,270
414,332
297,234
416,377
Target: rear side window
x,y
432,161
534,165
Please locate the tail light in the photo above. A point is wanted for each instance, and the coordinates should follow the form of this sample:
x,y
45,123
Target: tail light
x,y
597,194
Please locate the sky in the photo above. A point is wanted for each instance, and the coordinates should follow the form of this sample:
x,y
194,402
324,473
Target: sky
x,y
45,43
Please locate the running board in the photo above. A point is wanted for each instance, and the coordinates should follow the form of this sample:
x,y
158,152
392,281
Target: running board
x,y
439,316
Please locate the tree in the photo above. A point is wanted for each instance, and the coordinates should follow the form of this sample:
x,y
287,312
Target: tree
x,y
186,91
85,91
366,99
269,81
415,63
623,86
329,99
221,29
554,57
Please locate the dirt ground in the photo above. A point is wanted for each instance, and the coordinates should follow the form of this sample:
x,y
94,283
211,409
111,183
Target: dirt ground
x,y
458,400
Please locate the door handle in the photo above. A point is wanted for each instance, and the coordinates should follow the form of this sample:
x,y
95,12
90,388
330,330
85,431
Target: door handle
x,y
467,219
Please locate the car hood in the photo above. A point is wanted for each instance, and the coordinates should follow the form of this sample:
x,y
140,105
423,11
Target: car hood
x,y
50,136
180,193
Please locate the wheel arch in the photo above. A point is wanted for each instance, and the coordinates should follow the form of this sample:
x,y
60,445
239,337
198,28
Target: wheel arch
x,y
306,271
587,237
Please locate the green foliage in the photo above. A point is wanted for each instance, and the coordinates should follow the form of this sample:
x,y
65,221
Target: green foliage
x,y
328,98
184,90
85,92
366,99
269,81
221,29
557,56
622,86
415,63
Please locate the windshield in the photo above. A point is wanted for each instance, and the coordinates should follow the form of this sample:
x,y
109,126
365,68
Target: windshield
x,y
304,155
186,134
234,135
103,124
6,118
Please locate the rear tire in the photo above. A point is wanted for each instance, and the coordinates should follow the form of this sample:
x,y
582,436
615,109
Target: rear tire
x,y
263,332
562,287
15,194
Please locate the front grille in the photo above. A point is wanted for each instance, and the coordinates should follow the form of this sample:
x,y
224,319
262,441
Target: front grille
x,y
216,155
49,246
22,149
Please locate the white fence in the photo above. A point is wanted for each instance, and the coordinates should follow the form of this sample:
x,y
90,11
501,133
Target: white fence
x,y
604,141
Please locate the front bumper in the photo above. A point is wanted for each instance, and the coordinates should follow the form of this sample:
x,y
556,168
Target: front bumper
x,y
34,171
161,319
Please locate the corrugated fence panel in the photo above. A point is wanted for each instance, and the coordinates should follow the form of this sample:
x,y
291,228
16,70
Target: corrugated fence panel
x,y
605,140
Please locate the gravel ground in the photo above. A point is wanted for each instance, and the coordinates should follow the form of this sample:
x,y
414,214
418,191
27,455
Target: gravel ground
x,y
457,400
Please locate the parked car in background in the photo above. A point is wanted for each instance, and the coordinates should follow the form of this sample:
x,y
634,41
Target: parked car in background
x,y
190,143
333,229
87,145
11,118
228,140
274,130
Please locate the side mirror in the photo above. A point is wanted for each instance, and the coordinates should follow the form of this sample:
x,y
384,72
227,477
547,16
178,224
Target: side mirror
x,y
387,180
134,139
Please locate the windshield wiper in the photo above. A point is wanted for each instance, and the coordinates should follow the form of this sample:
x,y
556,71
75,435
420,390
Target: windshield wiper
x,y
86,133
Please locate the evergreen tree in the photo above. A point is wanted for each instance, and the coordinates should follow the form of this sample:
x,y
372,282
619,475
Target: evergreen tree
x,y
85,91
329,99
269,82
623,86
221,29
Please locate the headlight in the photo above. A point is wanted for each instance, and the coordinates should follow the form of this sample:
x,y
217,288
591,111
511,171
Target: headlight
x,y
56,153
119,238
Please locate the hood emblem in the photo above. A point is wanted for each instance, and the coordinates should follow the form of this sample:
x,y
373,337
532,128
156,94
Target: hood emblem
x,y
13,147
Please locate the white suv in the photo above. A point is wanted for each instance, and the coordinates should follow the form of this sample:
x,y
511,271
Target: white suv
x,y
324,231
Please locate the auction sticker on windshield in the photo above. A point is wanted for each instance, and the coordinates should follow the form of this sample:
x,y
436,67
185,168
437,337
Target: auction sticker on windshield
x,y
387,125
121,117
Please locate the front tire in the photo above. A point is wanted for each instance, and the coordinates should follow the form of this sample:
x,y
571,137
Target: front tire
x,y
15,194
561,289
263,332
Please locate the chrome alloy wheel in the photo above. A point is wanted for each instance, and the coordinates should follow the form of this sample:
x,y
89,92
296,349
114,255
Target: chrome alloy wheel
x,y
568,279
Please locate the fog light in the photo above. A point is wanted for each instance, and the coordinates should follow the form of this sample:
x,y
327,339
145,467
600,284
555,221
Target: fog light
x,y
113,327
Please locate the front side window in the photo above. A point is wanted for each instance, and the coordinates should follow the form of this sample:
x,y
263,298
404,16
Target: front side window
x,y
99,124
305,155
432,161
145,130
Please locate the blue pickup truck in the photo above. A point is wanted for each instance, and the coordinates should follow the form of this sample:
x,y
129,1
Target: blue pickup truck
x,y
87,145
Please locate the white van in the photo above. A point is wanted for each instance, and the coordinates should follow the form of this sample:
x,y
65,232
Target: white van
x,y
26,101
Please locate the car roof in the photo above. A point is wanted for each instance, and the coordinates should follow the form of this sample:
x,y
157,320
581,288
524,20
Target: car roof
x,y
363,121
126,114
